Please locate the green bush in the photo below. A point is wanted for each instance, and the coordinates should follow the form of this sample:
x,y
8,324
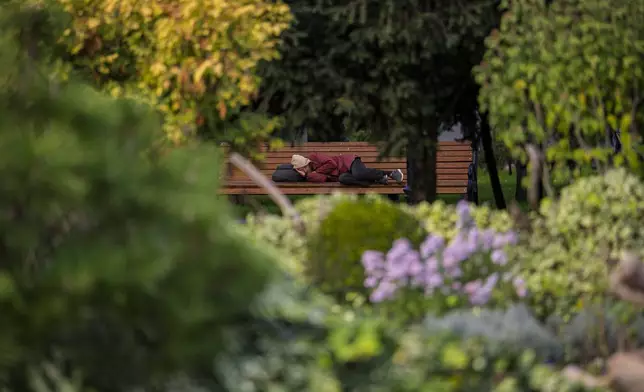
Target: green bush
x,y
115,262
279,234
564,257
440,218
349,351
352,227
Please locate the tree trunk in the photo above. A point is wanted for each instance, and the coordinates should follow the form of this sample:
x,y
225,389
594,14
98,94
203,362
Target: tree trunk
x,y
413,172
429,162
414,156
421,163
490,163
520,193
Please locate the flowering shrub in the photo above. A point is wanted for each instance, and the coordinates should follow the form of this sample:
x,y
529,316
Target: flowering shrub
x,y
442,218
471,269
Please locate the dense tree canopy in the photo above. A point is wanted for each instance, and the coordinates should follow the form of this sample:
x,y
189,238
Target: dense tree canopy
x,y
395,70
194,60
567,76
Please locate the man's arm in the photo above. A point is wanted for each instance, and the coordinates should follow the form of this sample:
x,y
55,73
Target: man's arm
x,y
316,177
324,167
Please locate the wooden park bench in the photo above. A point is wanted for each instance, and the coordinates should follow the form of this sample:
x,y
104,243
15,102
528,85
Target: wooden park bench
x,y
454,161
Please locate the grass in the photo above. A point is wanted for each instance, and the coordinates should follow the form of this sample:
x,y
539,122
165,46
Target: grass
x,y
508,183
263,203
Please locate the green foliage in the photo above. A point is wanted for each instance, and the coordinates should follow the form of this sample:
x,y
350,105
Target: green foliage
x,y
565,74
564,257
280,235
296,252
327,349
418,80
598,331
352,227
194,60
514,326
502,155
443,362
115,261
440,218
392,70
281,345
121,272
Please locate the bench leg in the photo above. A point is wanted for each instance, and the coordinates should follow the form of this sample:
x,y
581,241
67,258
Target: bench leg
x,y
407,191
394,198
237,199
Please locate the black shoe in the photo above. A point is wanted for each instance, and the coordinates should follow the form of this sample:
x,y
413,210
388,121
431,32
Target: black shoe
x,y
383,180
397,175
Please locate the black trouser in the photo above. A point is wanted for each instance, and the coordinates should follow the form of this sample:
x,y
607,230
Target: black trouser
x,y
361,175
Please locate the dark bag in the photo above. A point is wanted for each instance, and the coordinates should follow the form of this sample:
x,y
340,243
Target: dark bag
x,y
286,173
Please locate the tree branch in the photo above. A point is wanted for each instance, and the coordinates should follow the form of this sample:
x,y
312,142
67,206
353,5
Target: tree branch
x,y
627,280
537,168
637,100
273,192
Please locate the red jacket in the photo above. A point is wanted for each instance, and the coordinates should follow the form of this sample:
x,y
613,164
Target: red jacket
x,y
329,168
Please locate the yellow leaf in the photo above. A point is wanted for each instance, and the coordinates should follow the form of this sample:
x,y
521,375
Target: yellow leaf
x,y
222,109
276,144
92,23
612,121
520,84
625,123
146,11
157,68
582,100
76,49
454,357
201,69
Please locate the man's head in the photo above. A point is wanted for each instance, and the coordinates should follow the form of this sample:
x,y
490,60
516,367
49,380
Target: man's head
x,y
301,164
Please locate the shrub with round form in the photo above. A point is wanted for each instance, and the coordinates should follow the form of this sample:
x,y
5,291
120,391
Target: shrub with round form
x,y
565,256
280,235
347,231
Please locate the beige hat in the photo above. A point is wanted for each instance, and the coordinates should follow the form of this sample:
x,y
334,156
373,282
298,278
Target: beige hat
x,y
299,161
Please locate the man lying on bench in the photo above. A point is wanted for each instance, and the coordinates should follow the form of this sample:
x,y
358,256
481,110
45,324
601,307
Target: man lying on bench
x,y
346,169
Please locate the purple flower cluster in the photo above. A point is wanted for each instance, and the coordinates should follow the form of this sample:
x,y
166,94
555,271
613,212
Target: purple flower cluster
x,y
473,264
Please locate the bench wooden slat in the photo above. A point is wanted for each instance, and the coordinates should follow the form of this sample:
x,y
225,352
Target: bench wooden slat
x,y
350,149
342,144
334,187
269,172
343,189
366,155
444,168
439,159
455,176
379,165
244,183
